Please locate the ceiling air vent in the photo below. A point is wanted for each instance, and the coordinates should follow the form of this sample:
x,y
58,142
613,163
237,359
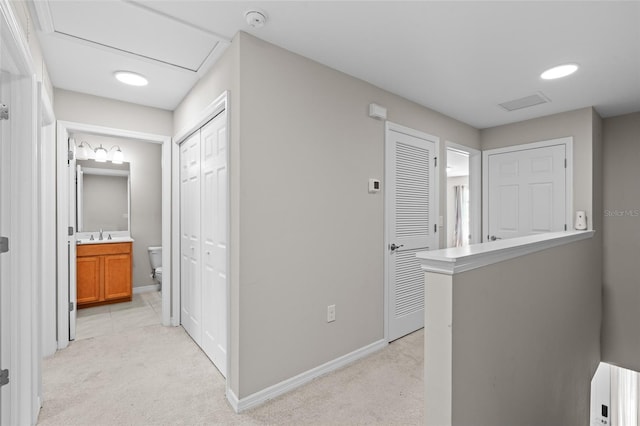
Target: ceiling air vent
x,y
526,102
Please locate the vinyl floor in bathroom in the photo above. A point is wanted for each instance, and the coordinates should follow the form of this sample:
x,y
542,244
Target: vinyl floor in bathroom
x,y
143,310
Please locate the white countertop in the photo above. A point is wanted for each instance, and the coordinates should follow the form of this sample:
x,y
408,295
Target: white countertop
x,y
105,240
459,259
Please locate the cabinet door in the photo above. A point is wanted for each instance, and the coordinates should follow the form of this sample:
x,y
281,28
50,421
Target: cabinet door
x,y
117,276
88,279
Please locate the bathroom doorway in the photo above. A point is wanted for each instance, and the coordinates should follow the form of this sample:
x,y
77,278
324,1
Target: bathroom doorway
x,y
463,196
68,142
118,218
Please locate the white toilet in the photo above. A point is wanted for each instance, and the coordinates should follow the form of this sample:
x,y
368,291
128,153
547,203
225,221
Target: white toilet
x,y
155,258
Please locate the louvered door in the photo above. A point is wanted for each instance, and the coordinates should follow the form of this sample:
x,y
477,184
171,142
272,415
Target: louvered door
x,y
411,225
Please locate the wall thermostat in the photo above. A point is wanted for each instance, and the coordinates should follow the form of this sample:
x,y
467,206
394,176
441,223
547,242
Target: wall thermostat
x,y
374,186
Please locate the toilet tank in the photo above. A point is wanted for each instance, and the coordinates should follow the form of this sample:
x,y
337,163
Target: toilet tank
x,y
155,257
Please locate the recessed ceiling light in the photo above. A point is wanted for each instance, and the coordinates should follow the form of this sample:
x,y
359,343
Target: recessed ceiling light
x,y
131,78
559,71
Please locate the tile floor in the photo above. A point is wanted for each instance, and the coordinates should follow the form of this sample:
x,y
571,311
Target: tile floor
x,y
143,310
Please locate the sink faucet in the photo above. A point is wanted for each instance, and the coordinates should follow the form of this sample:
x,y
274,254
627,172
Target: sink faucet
x,y
100,238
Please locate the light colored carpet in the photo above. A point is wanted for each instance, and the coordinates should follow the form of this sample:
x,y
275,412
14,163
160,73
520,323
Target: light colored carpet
x,y
156,375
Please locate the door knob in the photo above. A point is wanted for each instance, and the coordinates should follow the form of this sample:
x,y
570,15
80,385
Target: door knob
x,y
395,247
493,238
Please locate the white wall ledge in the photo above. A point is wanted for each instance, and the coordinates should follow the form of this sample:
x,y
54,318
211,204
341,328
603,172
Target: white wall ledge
x,y
460,259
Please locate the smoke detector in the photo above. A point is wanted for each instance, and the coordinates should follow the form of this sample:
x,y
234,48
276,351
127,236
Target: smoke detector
x,y
256,18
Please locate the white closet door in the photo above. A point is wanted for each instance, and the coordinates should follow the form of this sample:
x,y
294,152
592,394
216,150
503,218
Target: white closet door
x,y
190,284
214,241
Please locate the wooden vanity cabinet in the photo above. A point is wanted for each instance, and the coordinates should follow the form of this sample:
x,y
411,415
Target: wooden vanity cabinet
x,y
104,273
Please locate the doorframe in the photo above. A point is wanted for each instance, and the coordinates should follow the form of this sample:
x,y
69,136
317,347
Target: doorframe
x,y
568,182
22,320
65,129
475,190
217,106
389,127
47,150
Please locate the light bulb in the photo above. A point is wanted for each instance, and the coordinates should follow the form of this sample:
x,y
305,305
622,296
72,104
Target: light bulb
x,y
82,151
559,71
118,156
131,78
101,154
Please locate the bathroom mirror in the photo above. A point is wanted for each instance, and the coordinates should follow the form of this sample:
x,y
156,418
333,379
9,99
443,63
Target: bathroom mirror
x,y
103,197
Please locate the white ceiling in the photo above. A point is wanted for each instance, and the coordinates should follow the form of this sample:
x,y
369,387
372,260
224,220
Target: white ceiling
x,y
459,58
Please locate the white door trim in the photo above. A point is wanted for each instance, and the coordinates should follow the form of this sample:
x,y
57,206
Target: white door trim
x,y
221,103
23,327
65,128
390,126
475,189
566,141
47,222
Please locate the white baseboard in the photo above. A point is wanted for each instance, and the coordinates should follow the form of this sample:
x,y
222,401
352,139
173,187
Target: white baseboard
x,y
146,288
233,399
260,397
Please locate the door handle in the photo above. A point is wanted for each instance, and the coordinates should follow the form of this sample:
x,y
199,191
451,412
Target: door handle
x,y
393,247
493,238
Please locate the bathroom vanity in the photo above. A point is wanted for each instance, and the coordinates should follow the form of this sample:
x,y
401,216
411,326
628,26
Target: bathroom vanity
x,y
104,253
104,272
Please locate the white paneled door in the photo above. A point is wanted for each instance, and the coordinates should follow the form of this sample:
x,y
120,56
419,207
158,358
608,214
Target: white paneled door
x,y
203,223
526,191
190,283
411,222
214,240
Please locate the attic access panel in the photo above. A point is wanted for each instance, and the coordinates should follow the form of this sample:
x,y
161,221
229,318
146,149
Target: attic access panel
x,y
134,29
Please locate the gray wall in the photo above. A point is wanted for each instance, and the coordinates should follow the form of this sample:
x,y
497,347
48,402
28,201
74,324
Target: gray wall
x,y
621,292
307,233
145,169
584,319
526,339
89,109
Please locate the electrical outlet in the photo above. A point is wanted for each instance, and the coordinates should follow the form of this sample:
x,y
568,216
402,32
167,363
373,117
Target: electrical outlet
x,y
331,313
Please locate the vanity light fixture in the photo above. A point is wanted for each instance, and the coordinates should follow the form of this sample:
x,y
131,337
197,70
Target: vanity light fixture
x,y
131,78
559,71
100,153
